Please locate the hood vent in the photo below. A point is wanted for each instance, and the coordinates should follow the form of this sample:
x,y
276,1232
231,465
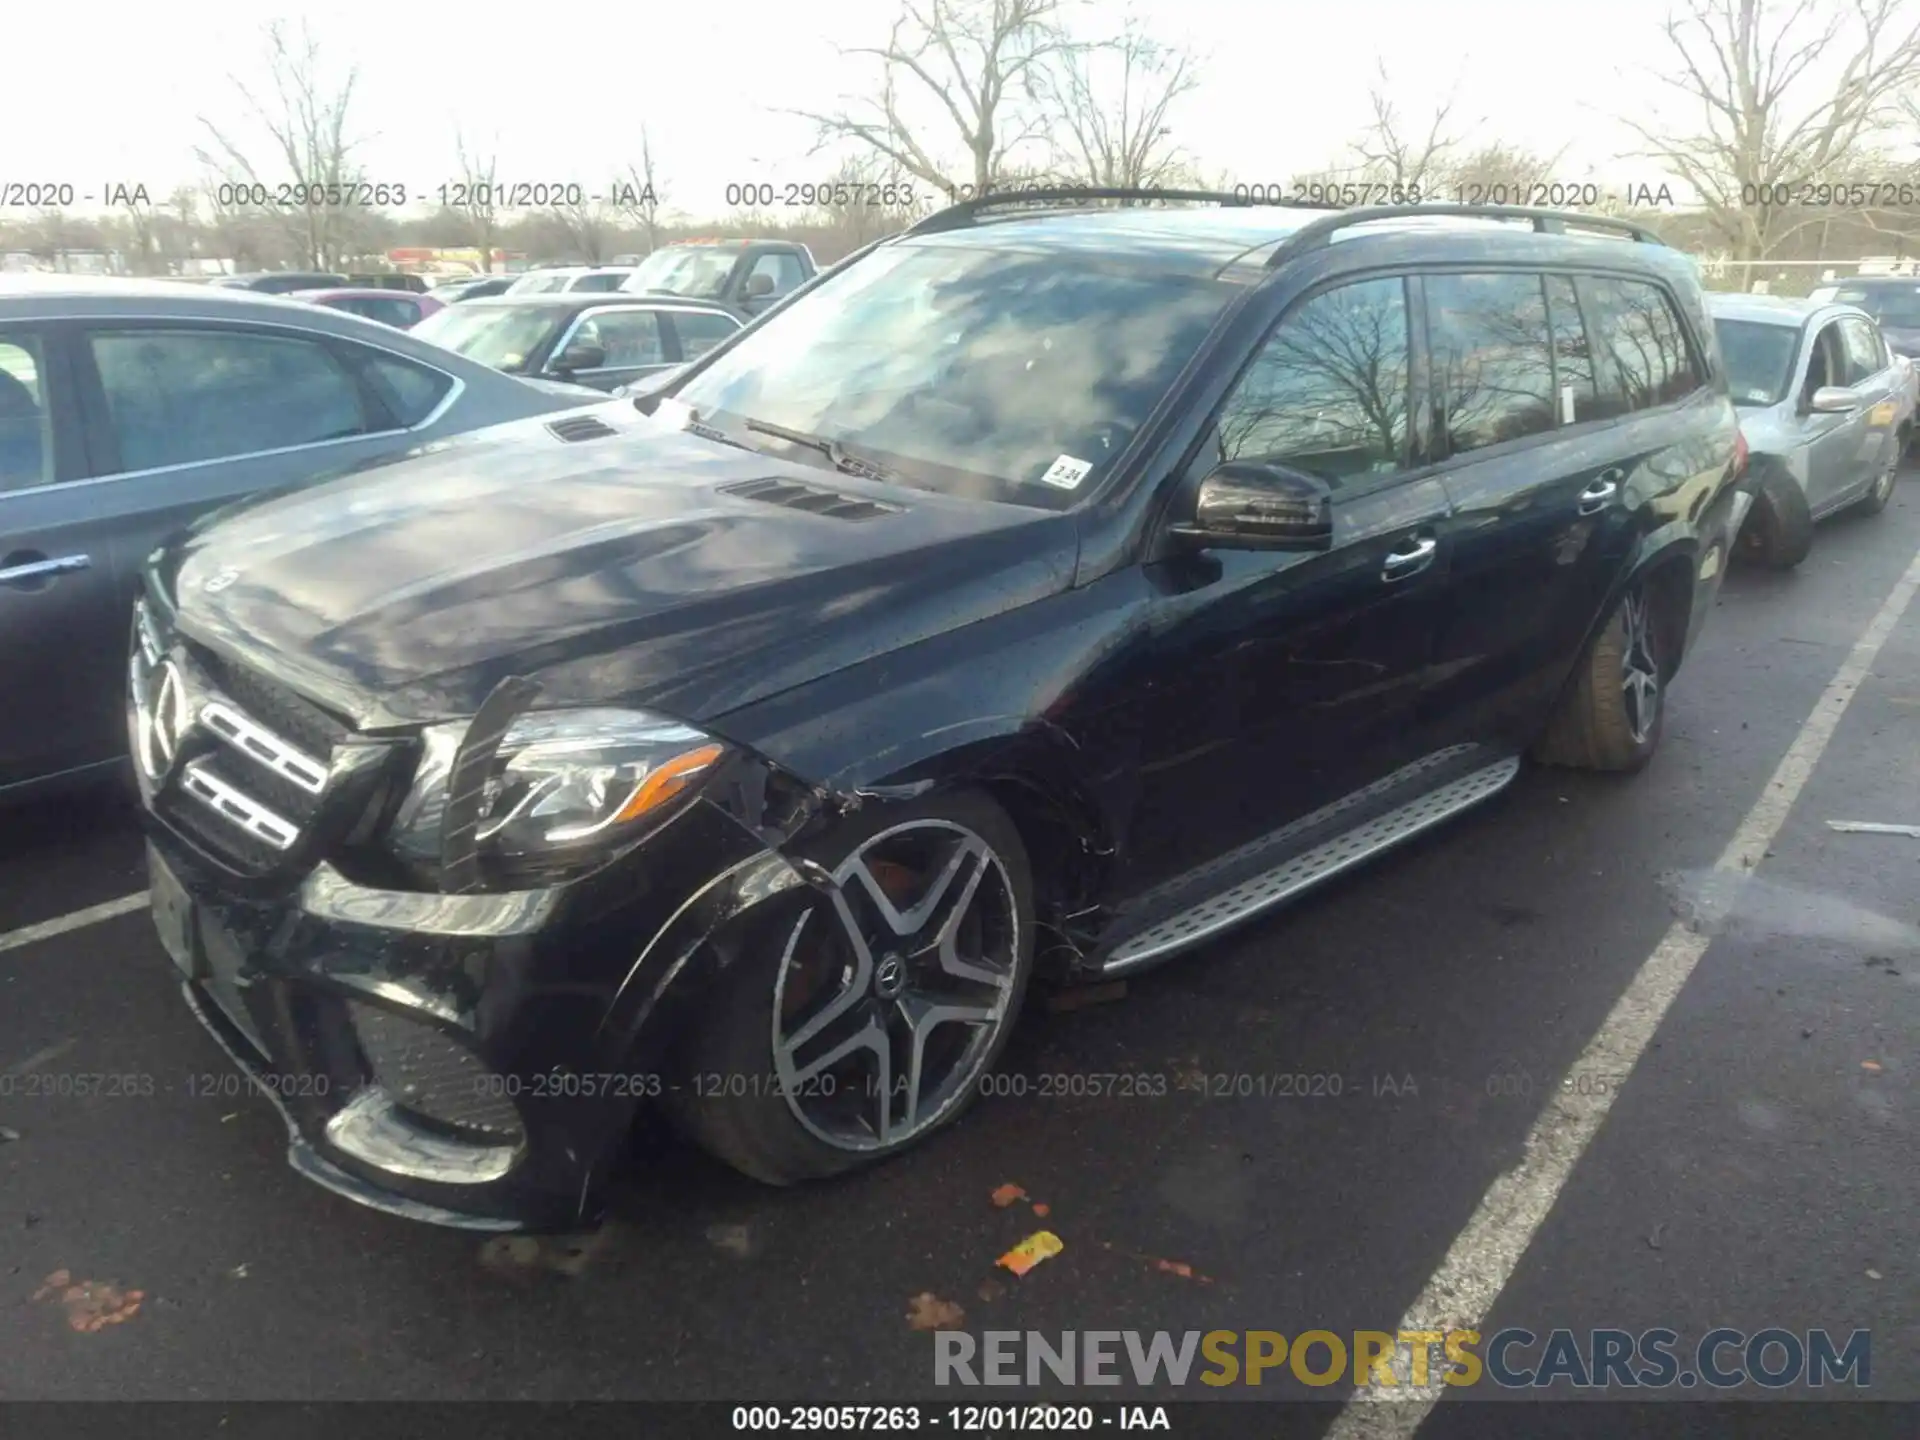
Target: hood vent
x,y
811,498
581,427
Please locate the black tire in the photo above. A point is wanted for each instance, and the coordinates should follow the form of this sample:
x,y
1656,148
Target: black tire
x,y
732,1100
1778,531
1594,726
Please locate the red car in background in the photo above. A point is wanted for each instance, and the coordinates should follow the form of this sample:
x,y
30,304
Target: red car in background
x,y
399,308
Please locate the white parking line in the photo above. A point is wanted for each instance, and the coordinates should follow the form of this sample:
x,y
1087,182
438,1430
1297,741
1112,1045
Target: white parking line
x,y
1484,1255
78,920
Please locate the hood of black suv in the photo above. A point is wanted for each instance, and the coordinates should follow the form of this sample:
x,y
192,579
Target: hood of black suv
x,y
641,566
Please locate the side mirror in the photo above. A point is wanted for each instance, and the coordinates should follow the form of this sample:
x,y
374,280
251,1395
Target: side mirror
x,y
1252,505
580,355
759,285
1834,400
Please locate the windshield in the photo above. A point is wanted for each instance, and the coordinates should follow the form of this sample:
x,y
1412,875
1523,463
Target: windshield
x,y
693,270
502,336
1897,306
1759,359
992,374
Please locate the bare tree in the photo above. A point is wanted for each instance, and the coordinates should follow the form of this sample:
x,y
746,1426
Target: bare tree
x,y
1502,174
477,199
974,67
305,122
589,224
1393,157
865,198
1107,107
239,230
1393,151
1785,94
640,194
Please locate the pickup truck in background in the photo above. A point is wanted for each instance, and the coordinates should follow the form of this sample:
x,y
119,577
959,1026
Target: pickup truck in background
x,y
744,276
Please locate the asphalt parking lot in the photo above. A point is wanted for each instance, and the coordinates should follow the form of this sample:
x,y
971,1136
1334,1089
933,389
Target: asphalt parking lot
x,y
1755,1169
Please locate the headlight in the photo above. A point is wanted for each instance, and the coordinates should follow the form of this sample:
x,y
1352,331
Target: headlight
x,y
569,789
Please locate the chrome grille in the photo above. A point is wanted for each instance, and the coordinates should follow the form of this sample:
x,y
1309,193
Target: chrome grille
x,y
242,786
258,743
232,804
289,716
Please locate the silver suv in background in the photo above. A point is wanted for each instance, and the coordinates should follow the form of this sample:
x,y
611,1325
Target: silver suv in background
x,y
1826,408
129,408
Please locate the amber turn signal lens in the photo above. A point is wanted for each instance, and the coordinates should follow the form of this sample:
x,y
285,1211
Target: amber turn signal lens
x,y
666,782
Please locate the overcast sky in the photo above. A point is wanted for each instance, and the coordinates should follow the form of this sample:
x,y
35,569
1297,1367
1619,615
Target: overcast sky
x,y
117,87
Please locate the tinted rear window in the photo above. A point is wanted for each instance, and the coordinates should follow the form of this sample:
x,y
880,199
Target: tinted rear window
x,y
1641,342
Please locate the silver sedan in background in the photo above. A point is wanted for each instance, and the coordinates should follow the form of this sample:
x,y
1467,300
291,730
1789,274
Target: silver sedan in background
x,y
129,408
1826,408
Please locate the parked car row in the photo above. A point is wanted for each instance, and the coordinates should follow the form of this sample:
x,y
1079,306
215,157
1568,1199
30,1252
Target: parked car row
x,y
744,277
283,282
585,337
390,307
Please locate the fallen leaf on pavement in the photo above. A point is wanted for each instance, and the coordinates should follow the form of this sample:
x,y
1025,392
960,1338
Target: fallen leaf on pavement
x,y
1166,1267
1005,1195
1041,1245
991,1290
1043,1210
1873,1065
927,1311
8,1135
91,1304
58,1280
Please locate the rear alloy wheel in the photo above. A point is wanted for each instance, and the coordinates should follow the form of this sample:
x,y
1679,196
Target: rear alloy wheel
x,y
885,1004
1610,716
1640,692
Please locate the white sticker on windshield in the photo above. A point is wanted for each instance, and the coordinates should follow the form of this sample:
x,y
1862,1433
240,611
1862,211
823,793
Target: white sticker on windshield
x,y
1067,472
673,414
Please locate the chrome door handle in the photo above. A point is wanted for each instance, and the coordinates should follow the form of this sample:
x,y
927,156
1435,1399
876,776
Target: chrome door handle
x,y
1594,498
44,569
1399,564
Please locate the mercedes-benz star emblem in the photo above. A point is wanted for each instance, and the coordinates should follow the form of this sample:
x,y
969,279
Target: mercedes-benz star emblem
x,y
220,580
889,977
170,718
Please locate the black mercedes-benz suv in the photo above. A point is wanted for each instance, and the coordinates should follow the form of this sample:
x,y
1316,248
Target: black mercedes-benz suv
x,y
1052,586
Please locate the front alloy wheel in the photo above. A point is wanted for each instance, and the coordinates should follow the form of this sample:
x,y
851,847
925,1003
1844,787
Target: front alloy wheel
x,y
848,1032
890,999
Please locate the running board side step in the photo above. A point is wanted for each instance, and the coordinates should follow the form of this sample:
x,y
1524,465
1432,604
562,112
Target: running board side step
x,y
1306,869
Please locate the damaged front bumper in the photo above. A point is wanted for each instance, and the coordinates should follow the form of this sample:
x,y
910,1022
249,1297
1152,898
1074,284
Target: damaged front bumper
x,y
471,1060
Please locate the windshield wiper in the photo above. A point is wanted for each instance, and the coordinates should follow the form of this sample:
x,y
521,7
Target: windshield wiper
x,y
835,452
